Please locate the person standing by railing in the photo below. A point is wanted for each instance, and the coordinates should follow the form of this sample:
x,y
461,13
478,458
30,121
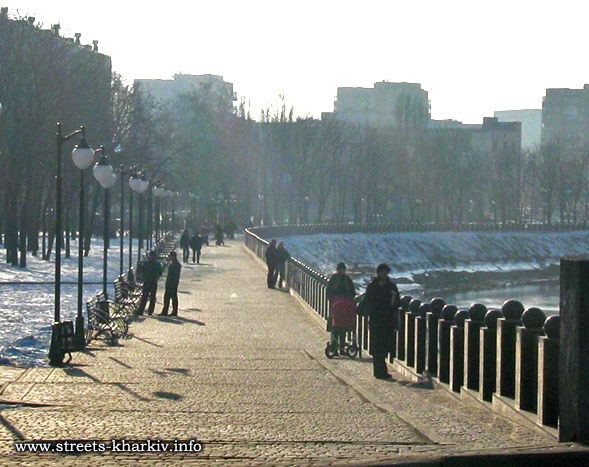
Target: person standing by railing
x,y
340,291
271,257
282,256
382,299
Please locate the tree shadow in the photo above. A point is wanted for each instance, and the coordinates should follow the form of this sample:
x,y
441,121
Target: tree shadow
x,y
79,373
147,342
182,371
168,395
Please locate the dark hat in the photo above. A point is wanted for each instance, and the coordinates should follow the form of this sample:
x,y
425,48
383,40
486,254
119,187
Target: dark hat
x,y
340,266
383,267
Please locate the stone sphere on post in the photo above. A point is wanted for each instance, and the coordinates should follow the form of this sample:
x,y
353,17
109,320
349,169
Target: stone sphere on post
x,y
491,318
552,327
448,312
512,309
533,318
460,317
414,306
424,309
436,305
477,312
405,301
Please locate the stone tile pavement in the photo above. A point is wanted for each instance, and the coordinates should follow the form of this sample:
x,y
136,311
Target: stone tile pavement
x,y
242,371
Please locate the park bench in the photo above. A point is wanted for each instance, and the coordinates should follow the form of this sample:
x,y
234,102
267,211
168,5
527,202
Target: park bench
x,y
101,324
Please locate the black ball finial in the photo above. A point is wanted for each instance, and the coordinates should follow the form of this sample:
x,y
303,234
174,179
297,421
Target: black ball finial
x,y
512,309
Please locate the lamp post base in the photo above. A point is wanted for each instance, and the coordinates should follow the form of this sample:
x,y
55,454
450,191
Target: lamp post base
x,y
80,337
56,355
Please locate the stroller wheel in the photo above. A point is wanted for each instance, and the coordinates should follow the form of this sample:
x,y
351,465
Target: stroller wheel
x,y
329,351
352,350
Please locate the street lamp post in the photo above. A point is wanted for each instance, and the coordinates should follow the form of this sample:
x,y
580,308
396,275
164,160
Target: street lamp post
x,y
56,354
83,157
141,189
122,222
104,174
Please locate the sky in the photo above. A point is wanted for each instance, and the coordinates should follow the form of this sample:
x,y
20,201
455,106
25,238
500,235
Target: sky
x,y
473,57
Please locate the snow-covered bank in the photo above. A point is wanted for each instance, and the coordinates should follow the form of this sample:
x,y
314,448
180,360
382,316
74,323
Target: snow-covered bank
x,y
26,311
410,253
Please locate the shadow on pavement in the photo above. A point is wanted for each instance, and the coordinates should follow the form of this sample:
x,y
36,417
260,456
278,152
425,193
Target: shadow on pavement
x,y
180,320
168,395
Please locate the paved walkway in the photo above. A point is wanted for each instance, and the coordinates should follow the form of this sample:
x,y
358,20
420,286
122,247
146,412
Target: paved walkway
x,y
241,370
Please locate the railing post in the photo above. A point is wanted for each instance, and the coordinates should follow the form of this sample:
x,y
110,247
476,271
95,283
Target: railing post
x,y
574,350
476,315
488,355
457,351
548,372
512,311
405,300
435,306
420,330
410,331
526,359
444,326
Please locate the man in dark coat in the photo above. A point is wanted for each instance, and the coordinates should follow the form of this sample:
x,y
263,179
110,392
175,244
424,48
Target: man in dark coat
x,y
271,263
340,285
196,245
219,240
382,297
152,270
172,281
282,256
185,245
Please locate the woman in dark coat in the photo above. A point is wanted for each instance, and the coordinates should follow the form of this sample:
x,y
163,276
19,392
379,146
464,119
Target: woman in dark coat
x,y
382,298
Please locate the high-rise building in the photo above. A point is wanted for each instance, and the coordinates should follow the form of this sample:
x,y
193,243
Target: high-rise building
x,y
212,88
385,105
565,116
531,123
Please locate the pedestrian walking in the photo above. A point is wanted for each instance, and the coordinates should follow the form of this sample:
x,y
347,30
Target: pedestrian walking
x,y
282,256
172,281
382,300
196,245
185,245
230,228
151,270
271,251
340,293
219,240
204,232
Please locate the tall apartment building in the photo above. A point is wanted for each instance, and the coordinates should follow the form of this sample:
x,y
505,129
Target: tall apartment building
x,y
531,123
212,88
565,116
490,138
384,105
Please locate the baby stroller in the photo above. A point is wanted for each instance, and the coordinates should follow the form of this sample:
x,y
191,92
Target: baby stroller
x,y
343,320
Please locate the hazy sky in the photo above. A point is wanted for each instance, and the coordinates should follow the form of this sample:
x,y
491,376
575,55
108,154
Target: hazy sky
x,y
472,56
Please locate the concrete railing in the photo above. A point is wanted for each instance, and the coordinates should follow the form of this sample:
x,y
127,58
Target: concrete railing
x,y
513,361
